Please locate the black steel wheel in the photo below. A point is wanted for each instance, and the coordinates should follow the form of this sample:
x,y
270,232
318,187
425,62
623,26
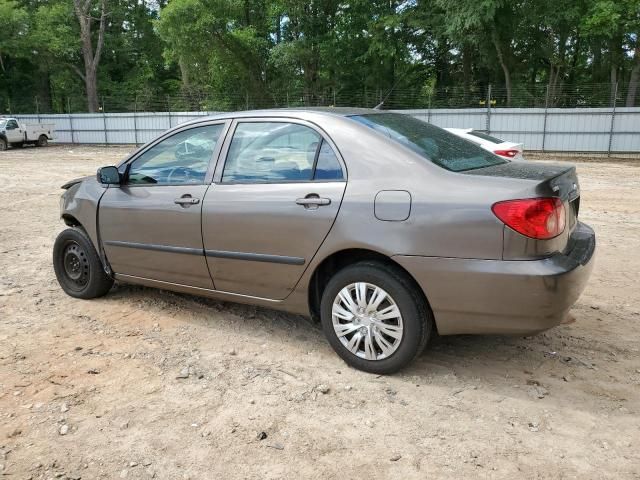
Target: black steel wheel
x,y
78,268
42,141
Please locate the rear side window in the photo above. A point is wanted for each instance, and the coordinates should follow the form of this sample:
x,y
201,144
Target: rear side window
x,y
276,152
485,136
327,167
432,143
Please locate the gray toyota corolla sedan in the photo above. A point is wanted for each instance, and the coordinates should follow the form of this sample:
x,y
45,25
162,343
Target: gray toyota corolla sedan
x,y
383,227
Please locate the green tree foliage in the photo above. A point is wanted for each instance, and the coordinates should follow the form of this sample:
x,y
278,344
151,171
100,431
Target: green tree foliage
x,y
236,54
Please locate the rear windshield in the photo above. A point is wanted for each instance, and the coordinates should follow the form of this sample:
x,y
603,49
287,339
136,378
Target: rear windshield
x,y
486,137
433,143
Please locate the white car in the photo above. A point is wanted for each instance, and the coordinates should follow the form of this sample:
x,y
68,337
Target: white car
x,y
510,150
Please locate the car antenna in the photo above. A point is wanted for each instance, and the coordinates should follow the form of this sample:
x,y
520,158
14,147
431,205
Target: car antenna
x,y
379,106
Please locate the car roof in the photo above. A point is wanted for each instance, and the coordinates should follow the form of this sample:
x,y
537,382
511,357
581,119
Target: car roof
x,y
300,112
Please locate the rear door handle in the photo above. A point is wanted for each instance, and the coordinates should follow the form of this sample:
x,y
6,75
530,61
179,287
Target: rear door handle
x,y
186,200
313,201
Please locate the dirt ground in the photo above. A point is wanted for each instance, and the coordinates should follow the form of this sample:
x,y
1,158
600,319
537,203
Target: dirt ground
x,y
88,389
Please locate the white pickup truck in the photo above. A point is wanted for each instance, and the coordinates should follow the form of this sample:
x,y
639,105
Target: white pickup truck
x,y
16,134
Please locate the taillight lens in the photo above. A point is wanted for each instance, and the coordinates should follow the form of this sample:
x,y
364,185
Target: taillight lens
x,y
540,218
507,153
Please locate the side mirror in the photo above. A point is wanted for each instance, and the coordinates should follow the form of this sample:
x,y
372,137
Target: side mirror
x,y
108,175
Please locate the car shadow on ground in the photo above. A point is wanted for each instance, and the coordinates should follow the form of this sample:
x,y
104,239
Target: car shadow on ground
x,y
489,356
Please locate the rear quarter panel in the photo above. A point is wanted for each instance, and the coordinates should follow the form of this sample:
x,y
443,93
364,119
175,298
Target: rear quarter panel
x,y
450,212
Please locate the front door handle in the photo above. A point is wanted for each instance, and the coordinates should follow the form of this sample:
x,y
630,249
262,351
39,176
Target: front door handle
x,y
313,201
186,200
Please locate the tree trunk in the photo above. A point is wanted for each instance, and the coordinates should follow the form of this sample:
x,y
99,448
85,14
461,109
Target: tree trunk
x,y
247,13
633,78
554,73
466,73
91,57
311,76
184,73
613,79
574,59
596,65
44,92
442,63
503,64
91,86
615,47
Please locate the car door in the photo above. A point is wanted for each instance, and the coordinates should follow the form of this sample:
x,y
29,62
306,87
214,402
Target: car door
x,y
150,225
13,132
271,205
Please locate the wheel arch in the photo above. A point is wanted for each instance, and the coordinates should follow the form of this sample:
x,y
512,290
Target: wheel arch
x,y
341,259
71,221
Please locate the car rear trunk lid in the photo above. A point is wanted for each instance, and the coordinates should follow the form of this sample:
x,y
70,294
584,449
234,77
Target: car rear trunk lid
x,y
556,179
552,180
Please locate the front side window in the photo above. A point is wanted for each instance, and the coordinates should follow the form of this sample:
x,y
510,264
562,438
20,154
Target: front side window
x,y
11,124
432,143
273,152
180,159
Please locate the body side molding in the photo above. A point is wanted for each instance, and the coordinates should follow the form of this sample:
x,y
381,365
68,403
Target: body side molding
x,y
255,257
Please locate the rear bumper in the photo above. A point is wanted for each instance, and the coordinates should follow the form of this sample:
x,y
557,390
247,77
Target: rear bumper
x,y
504,297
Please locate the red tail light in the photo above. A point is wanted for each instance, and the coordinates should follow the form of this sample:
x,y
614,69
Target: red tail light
x,y
507,153
540,218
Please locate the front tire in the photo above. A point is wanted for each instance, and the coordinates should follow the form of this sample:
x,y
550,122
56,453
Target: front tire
x,y
78,268
375,317
3,144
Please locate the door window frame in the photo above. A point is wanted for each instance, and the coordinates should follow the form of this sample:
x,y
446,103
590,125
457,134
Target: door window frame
x,y
125,165
224,153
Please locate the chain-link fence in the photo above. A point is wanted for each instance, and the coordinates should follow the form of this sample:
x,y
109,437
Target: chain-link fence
x,y
587,118
472,96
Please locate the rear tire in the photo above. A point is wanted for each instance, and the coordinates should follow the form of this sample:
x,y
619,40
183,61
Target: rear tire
x,y
388,341
78,268
43,141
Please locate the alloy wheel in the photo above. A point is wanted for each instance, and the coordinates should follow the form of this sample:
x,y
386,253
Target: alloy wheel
x,y
367,321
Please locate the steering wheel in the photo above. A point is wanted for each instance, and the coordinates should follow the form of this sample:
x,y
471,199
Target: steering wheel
x,y
186,173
